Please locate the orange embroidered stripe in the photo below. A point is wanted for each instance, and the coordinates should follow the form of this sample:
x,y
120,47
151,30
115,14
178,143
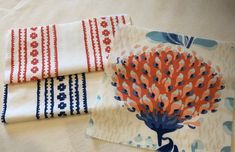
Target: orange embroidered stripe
x,y
48,51
112,24
25,53
55,48
86,46
19,54
93,45
43,52
99,47
12,55
123,20
117,20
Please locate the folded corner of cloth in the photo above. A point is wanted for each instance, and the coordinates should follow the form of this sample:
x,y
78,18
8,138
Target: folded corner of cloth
x,y
39,52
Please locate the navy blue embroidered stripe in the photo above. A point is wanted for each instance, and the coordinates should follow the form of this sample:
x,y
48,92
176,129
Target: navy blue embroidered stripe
x,y
52,97
46,98
38,99
4,109
77,94
84,92
71,94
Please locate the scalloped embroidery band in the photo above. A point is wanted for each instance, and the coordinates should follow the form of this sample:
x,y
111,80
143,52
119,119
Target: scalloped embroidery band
x,y
97,34
54,50
33,50
61,96
5,95
55,97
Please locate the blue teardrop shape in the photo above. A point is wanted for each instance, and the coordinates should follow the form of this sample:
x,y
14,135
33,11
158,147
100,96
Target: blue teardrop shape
x,y
196,145
205,42
226,149
138,138
229,102
156,37
227,125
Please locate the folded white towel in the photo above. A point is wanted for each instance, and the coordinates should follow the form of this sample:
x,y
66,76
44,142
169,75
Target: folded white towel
x,y
53,97
40,52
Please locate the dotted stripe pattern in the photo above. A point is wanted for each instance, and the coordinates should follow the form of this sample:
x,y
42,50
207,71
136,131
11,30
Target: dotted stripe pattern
x,y
34,54
61,96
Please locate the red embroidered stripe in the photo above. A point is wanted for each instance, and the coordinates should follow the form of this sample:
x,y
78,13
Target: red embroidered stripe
x,y
123,20
99,46
93,44
112,24
49,51
55,48
117,20
43,52
86,46
12,55
19,55
25,53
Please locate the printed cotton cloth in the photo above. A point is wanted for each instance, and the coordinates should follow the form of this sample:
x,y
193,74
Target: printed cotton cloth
x,y
56,65
167,92
35,53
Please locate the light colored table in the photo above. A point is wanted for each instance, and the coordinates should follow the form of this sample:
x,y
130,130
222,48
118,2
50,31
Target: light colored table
x,y
211,19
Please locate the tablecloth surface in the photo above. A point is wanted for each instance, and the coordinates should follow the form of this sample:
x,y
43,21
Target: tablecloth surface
x,y
201,18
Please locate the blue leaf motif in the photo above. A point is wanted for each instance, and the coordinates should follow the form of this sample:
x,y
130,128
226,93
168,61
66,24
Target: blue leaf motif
x,y
196,145
91,122
229,103
226,149
227,125
205,42
164,37
138,138
156,36
148,141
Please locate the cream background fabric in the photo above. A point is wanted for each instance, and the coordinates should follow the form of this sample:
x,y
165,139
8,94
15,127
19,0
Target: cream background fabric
x,y
112,122
202,18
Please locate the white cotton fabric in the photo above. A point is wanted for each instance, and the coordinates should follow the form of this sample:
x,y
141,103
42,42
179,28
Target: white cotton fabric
x,y
39,52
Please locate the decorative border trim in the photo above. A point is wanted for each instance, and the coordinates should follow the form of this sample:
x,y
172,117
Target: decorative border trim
x,y
19,55
93,45
46,98
71,94
99,46
43,52
86,46
38,99
4,109
112,24
12,55
52,97
123,19
48,51
117,20
25,54
84,93
77,94
55,49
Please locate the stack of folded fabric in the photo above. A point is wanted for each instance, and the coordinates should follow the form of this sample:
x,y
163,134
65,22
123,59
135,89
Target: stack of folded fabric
x,y
148,89
53,70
